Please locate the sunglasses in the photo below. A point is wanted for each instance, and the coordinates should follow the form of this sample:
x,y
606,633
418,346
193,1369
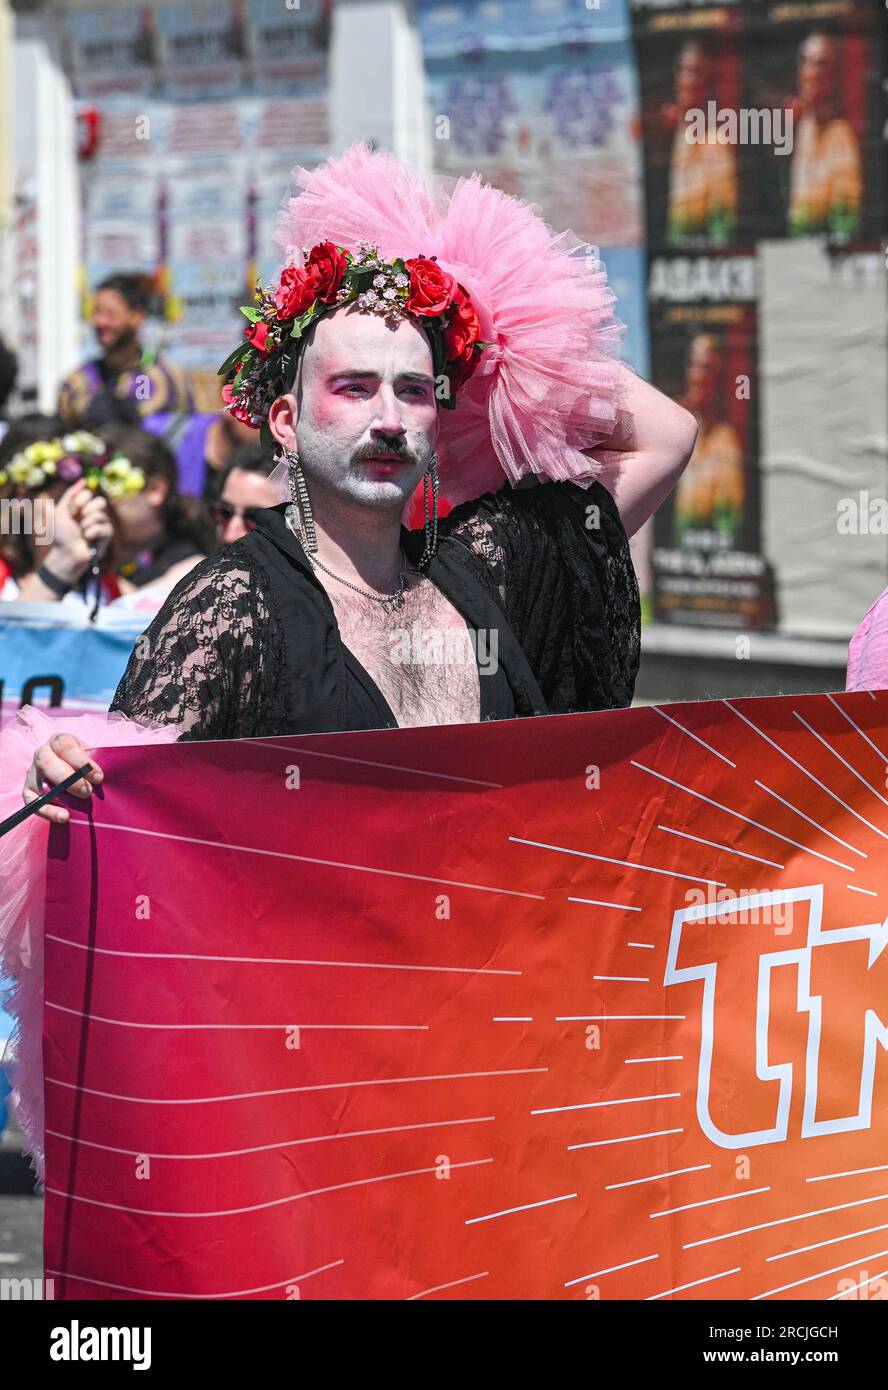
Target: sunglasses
x,y
223,512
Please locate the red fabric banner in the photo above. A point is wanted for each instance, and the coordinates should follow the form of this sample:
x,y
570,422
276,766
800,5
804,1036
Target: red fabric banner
x,y
581,1007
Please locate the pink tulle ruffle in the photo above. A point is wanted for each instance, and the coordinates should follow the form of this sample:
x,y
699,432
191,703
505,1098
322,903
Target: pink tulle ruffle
x,y
22,892
549,387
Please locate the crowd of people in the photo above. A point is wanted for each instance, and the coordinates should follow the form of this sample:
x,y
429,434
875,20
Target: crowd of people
x,y
139,485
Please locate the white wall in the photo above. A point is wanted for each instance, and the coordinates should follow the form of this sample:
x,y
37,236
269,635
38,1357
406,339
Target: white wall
x,y
823,333
6,129
45,170
377,80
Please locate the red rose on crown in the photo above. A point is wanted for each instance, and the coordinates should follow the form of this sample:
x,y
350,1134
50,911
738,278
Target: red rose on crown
x,y
431,288
257,335
432,293
326,265
235,408
460,337
295,293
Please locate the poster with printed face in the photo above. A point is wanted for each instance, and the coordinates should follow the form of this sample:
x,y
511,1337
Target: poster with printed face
x,y
458,1013
818,68
707,564
696,167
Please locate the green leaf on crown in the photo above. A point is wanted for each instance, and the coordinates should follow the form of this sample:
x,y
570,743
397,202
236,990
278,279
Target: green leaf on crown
x,y
301,323
233,358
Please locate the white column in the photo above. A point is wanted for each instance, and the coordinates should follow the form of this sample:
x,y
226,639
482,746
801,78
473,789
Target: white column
x,y
46,177
376,80
6,168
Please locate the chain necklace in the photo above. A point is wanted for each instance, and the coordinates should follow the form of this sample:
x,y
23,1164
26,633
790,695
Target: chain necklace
x,y
389,603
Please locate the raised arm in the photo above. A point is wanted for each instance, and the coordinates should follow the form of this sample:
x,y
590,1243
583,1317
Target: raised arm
x,y
647,452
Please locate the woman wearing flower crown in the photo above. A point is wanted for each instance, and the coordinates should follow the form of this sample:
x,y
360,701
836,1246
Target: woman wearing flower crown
x,y
105,508
163,532
57,541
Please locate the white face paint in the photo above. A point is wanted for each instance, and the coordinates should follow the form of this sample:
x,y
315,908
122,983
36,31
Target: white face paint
x,y
366,387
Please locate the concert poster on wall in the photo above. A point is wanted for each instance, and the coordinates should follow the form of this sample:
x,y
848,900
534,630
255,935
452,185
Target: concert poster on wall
x,y
707,563
697,171
814,79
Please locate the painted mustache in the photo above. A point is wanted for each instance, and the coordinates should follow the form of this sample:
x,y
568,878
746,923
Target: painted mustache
x,y
394,453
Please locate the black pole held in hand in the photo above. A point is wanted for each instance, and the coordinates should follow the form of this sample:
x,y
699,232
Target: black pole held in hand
x,y
18,816
95,572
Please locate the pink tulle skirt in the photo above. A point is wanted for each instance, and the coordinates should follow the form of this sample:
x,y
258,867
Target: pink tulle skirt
x,y
22,892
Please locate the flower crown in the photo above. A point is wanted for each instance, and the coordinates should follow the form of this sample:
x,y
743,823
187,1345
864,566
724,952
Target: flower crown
x,y
263,367
77,455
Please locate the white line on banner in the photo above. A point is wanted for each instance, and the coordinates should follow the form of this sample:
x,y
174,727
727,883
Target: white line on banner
x,y
277,960
290,1090
302,858
528,1206
695,737
761,733
263,1206
162,1293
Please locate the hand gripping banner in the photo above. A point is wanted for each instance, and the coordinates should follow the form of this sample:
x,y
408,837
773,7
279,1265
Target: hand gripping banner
x,y
581,1007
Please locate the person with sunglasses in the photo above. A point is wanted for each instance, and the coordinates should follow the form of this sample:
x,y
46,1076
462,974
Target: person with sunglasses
x,y
245,490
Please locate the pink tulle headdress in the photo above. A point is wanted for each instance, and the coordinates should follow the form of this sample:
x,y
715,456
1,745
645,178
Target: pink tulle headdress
x,y
546,387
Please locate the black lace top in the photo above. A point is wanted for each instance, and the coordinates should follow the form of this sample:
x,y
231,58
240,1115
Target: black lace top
x,y
247,644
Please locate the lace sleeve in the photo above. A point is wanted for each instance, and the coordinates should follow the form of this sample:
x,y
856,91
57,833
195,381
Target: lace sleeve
x,y
556,558
207,661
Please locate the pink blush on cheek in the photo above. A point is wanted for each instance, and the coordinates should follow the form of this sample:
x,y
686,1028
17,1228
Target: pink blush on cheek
x,y
324,411
332,410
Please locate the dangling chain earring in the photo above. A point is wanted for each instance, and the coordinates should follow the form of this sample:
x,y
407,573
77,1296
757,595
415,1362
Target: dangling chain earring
x,y
298,513
431,523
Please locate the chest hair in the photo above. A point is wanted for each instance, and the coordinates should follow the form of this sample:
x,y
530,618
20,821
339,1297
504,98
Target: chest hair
x,y
420,656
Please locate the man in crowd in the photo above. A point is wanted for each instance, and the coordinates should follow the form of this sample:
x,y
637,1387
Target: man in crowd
x,y
127,382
